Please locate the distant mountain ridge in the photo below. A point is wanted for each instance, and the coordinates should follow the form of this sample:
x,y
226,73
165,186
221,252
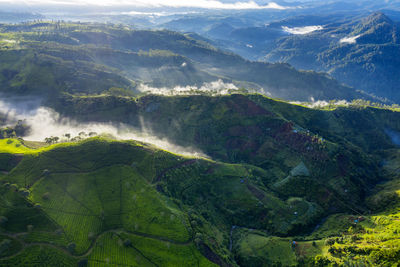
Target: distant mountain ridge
x,y
364,54
356,48
156,58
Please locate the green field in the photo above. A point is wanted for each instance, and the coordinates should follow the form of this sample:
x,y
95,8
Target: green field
x,y
78,208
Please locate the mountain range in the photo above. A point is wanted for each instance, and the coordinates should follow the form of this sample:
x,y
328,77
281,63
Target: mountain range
x,y
54,57
357,50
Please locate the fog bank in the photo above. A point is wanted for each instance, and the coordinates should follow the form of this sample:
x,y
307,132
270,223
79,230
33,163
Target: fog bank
x,y
45,122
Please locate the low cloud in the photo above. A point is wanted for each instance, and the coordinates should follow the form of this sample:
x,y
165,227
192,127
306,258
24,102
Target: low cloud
x,y
214,88
349,40
302,30
394,136
321,103
45,122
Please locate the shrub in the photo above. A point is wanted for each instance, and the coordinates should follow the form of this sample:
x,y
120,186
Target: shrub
x,y
58,231
14,187
91,236
71,247
24,192
3,220
4,245
127,243
321,261
329,241
46,196
83,263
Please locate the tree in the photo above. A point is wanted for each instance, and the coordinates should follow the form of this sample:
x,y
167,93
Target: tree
x,y
46,196
83,263
3,220
5,245
71,247
127,243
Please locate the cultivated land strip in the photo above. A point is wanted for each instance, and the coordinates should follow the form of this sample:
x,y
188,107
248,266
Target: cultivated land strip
x,y
116,231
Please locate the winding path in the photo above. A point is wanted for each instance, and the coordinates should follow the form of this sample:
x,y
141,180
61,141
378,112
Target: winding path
x,y
91,247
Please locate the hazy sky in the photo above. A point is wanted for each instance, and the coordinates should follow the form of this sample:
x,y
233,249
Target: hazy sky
x,y
209,4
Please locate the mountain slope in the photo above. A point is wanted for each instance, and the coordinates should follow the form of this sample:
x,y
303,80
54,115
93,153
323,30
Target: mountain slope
x,y
154,58
360,53
290,167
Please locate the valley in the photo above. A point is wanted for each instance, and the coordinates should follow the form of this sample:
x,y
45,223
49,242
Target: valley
x,y
207,133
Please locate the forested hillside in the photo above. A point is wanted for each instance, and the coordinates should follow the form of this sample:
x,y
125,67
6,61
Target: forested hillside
x,y
66,57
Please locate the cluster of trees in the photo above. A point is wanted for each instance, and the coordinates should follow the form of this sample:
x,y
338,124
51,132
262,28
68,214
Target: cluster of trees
x,y
4,245
20,129
68,138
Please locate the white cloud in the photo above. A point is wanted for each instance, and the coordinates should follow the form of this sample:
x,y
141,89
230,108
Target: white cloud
x,y
302,30
208,4
349,40
215,88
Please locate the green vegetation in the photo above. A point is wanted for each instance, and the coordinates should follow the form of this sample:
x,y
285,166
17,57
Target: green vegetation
x,y
276,172
371,56
139,206
100,195
49,58
13,146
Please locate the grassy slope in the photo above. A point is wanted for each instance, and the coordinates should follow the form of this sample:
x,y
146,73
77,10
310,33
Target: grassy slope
x,y
102,193
108,186
71,191
348,133
70,183
272,135
373,241
13,147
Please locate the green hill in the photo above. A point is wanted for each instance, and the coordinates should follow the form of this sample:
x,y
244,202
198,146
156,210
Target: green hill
x,y
46,58
279,173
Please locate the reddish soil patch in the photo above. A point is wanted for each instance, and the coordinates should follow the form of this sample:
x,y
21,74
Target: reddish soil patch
x,y
342,163
255,191
210,171
212,256
185,163
303,143
301,250
244,106
242,144
247,131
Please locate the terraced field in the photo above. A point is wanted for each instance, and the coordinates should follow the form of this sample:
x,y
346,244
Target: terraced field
x,y
85,212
